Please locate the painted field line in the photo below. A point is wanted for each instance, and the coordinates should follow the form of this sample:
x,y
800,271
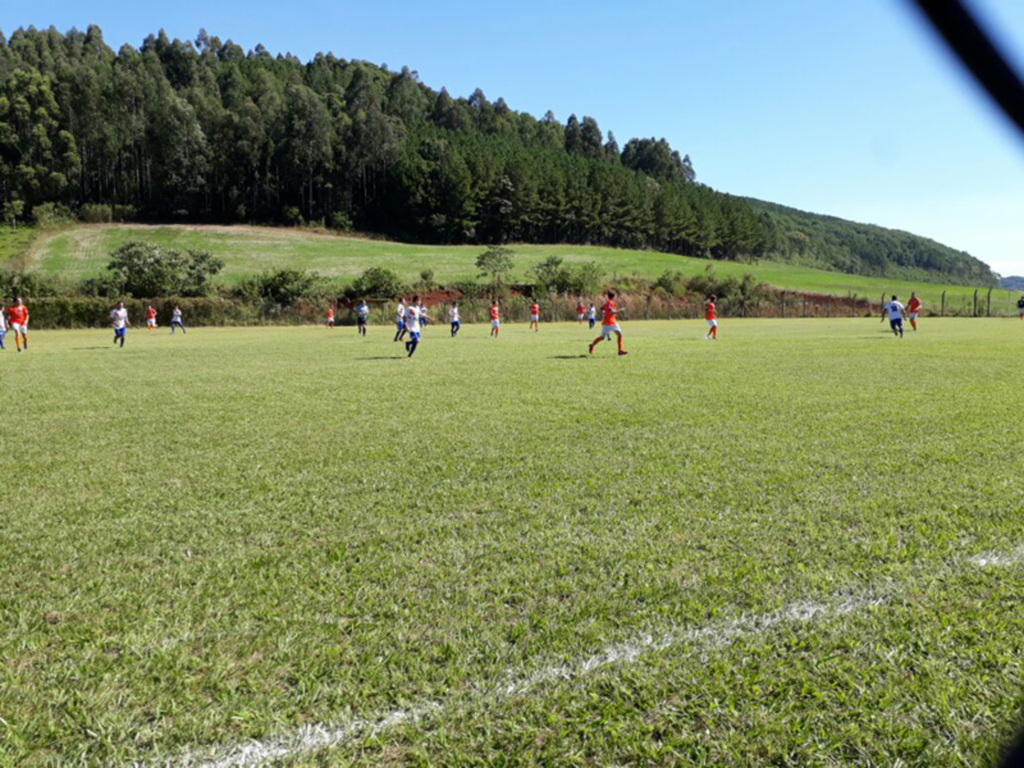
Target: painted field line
x,y
308,739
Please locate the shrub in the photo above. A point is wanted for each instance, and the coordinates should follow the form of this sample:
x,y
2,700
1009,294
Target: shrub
x,y
146,270
284,287
291,216
341,222
93,213
51,214
30,284
377,283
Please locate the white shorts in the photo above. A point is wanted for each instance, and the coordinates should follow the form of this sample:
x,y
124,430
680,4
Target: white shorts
x,y
912,315
712,323
495,323
534,318
151,322
579,317
608,330
18,328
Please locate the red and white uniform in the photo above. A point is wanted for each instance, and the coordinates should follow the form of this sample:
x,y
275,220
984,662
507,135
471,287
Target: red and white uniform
x,y
19,319
580,311
330,315
609,320
913,307
709,314
495,316
150,317
535,312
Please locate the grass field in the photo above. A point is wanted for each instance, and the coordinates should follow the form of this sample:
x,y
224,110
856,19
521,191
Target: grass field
x,y
801,544
83,251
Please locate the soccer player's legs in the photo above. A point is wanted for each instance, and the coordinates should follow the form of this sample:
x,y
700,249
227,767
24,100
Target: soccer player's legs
x,y
912,317
412,343
119,334
495,327
20,335
2,334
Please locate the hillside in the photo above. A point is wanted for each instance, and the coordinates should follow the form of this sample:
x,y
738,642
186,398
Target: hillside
x,y
867,249
83,251
205,132
1012,283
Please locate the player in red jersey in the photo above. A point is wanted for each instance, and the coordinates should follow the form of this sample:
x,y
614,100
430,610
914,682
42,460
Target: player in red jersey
x,y
580,311
913,308
609,324
18,315
535,316
330,315
711,317
495,318
150,318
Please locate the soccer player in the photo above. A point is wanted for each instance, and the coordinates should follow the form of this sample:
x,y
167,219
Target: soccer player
x,y
453,318
424,317
580,311
120,320
913,308
18,315
495,318
609,324
535,316
3,327
150,318
896,314
400,321
710,316
1020,307
330,315
362,316
592,315
176,320
412,325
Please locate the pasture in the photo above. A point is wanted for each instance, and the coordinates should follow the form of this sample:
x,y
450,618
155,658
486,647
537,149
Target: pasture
x,y
83,251
801,544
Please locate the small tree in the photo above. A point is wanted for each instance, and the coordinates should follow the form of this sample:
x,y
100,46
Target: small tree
x,y
12,211
551,275
378,283
147,271
495,262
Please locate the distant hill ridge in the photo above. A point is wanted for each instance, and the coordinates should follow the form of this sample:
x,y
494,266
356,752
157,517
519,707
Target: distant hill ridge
x,y
205,132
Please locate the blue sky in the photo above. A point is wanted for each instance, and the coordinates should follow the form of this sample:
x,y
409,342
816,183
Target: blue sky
x,y
847,108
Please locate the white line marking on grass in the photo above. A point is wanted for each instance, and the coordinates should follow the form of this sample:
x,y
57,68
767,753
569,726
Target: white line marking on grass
x,y
999,559
312,738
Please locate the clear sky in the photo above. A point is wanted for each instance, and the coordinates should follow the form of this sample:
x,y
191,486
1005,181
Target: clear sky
x,y
847,108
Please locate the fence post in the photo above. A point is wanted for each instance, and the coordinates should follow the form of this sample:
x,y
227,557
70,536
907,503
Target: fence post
x,y
988,304
782,304
853,305
942,312
975,302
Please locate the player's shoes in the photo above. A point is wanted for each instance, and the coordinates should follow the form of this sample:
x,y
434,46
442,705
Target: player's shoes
x,y
623,352
591,348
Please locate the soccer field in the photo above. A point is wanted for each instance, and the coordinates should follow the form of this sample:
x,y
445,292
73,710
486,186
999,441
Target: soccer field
x,y
801,544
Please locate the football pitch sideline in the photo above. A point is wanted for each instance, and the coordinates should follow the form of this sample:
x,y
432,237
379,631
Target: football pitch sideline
x,y
800,544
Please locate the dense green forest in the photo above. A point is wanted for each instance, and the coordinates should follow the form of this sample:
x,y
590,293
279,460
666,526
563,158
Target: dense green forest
x,y
203,131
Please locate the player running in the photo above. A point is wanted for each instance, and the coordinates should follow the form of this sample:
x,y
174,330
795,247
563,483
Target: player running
x,y
1020,307
18,316
535,316
609,324
711,317
176,320
330,316
592,315
580,311
453,318
362,316
119,317
412,325
424,317
150,318
400,321
3,327
495,318
896,313
913,309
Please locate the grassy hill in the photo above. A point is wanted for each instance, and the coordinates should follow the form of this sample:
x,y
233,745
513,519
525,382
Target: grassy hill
x,y
82,251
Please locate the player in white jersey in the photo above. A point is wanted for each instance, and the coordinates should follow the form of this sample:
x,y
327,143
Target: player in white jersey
x,y
412,325
896,312
592,315
176,321
119,319
399,321
453,318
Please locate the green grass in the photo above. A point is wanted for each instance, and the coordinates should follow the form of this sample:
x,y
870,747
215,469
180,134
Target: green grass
x,y
15,244
219,537
83,251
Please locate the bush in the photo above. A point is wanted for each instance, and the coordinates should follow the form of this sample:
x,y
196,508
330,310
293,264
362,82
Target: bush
x,y
51,214
146,270
291,216
377,283
283,288
341,222
93,213
30,284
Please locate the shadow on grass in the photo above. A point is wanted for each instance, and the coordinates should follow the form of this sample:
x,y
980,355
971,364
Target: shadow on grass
x,y
384,357
569,357
83,349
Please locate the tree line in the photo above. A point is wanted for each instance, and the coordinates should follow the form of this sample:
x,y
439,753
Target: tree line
x,y
203,131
